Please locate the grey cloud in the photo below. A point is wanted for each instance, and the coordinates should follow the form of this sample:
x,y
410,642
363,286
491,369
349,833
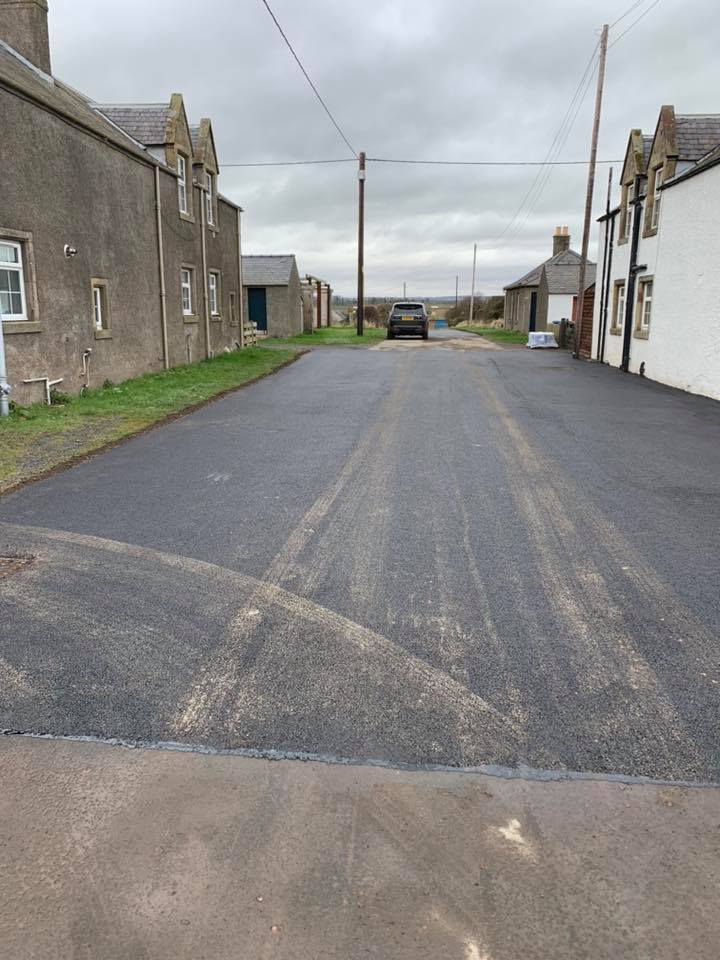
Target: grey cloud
x,y
456,79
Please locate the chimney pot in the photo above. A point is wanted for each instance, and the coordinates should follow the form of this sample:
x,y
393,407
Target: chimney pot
x,y
561,240
24,27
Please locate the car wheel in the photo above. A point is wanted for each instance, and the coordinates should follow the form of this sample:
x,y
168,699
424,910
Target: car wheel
x,y
390,334
426,334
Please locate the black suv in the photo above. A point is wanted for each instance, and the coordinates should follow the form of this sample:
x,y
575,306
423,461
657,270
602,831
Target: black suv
x,y
408,318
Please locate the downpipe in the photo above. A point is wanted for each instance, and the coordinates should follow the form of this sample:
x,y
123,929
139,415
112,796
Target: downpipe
x,y
86,368
4,385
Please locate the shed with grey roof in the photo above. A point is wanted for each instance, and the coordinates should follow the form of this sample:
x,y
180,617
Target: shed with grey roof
x,y
272,294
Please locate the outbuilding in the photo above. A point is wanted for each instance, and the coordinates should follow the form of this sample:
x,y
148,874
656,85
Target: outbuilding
x,y
272,294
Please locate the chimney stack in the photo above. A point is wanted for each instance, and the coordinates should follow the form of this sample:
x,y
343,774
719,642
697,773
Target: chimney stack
x,y
24,27
561,240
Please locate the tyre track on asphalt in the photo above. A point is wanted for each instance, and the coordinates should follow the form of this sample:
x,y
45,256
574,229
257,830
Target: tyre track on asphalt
x,y
603,656
225,688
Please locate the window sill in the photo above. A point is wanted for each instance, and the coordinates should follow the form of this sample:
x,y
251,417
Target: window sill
x,y
187,217
641,334
623,241
191,318
21,326
216,317
615,331
650,232
103,335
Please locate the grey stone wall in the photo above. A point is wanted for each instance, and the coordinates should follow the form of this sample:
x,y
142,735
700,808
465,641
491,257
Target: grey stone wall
x,y
61,185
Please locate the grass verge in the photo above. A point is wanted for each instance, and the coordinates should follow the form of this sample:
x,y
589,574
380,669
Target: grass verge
x,y
332,335
35,440
492,333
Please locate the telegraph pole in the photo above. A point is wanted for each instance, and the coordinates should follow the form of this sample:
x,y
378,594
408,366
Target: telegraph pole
x,y
456,291
361,246
590,188
404,290
472,291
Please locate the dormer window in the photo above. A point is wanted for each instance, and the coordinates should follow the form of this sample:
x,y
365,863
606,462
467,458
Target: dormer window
x,y
655,215
625,214
182,183
210,198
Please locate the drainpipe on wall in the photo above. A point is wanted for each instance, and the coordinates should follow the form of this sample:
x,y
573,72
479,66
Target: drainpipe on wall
x,y
634,269
161,258
241,313
608,276
206,295
605,256
4,385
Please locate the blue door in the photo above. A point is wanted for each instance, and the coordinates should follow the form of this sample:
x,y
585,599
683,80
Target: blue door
x,y
257,307
533,311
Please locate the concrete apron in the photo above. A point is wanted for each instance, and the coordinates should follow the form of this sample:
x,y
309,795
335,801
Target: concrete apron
x,y
110,852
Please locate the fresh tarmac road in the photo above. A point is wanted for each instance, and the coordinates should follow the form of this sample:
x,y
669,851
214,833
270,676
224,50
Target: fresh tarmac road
x,y
426,554
414,557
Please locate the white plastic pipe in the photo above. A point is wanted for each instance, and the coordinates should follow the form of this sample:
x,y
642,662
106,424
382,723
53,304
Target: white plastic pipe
x,y
4,385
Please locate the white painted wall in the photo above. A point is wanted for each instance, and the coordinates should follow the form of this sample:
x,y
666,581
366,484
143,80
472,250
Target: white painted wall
x,y
559,305
683,348
685,336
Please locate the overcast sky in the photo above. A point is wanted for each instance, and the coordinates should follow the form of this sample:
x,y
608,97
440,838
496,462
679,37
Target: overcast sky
x,y
423,79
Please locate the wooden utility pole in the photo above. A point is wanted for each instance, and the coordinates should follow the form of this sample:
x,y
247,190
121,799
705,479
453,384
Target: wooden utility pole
x,y
404,291
590,189
361,246
456,291
318,287
472,290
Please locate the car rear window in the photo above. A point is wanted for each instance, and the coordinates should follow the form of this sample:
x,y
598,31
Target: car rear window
x,y
407,307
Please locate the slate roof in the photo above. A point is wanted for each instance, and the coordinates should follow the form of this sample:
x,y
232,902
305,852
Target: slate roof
x,y
267,271
17,74
566,260
696,134
711,159
145,122
563,273
647,142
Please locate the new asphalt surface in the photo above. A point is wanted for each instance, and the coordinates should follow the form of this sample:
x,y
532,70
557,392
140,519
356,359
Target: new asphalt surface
x,y
433,553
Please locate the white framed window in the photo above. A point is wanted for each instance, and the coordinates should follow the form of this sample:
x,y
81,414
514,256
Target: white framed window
x,y
619,315
101,311
655,215
12,282
182,183
210,198
645,299
213,283
186,287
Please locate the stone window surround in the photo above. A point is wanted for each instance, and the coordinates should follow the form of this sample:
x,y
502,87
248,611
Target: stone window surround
x,y
233,308
625,214
648,229
189,317
104,285
616,330
212,272
640,332
32,324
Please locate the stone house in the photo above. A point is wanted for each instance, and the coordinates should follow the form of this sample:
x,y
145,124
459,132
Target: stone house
x,y
657,312
118,256
272,295
526,308
558,289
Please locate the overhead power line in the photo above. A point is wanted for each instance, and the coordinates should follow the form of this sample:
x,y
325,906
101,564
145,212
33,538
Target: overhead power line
x,y
307,77
638,3
438,163
634,23
491,163
287,163
538,185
